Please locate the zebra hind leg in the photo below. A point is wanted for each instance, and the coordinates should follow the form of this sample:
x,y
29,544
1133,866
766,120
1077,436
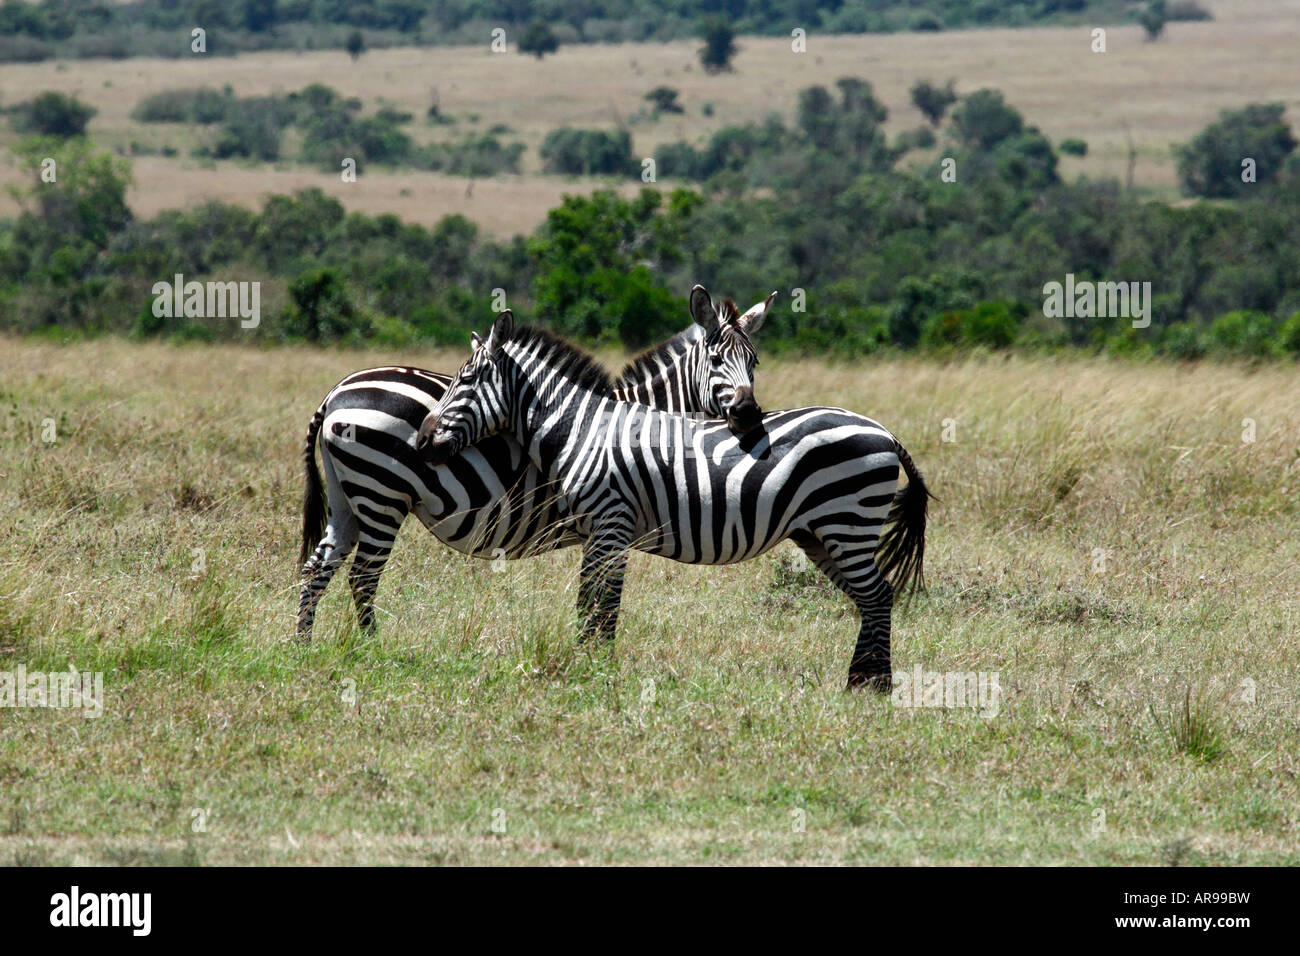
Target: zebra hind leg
x,y
372,555
329,555
853,570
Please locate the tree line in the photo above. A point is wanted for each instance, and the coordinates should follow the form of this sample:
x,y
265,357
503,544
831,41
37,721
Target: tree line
x,y
955,253
31,30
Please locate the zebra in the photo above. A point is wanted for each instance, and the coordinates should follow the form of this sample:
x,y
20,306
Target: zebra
x,y
690,490
488,502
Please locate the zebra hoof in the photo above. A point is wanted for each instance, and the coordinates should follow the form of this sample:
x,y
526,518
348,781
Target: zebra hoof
x,y
881,683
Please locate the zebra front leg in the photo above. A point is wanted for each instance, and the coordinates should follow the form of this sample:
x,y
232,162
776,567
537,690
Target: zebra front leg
x,y
600,583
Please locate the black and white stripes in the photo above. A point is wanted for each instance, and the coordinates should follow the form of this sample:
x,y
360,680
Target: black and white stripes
x,y
636,477
490,501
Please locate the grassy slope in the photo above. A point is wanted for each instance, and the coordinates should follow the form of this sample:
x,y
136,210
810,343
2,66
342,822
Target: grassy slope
x,y
473,696
1163,93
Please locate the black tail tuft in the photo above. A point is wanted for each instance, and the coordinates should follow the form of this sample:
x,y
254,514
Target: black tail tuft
x,y
901,557
313,499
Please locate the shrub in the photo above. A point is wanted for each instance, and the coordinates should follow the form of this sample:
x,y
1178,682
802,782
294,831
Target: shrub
x,y
924,21
473,156
24,49
1187,10
719,45
920,138
1288,335
1074,147
933,101
1211,164
989,324
680,160
1182,340
538,39
983,120
1153,17
252,129
321,310
355,44
586,152
202,105
1242,332
332,133
53,114
664,100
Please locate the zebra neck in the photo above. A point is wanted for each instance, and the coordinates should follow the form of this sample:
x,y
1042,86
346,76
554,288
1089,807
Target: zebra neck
x,y
549,417
663,381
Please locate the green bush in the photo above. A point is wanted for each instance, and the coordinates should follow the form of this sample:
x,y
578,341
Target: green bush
x,y
983,120
1211,164
1187,10
719,44
202,105
587,152
990,324
925,22
933,101
53,114
333,133
1242,332
253,128
1288,335
663,99
478,156
538,39
920,138
1074,147
1182,340
322,311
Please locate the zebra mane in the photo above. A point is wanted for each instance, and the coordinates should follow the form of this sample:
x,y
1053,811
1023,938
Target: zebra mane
x,y
577,367
646,365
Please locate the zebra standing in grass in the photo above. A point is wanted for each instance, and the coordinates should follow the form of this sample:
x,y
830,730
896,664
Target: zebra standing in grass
x,y
490,501
638,477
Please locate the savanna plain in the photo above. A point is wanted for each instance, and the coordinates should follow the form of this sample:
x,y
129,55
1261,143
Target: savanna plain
x,y
1116,541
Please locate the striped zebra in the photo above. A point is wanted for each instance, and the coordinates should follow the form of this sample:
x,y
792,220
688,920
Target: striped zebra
x,y
489,502
690,490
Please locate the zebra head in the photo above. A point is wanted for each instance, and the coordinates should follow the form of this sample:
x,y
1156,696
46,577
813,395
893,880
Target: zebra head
x,y
724,358
475,404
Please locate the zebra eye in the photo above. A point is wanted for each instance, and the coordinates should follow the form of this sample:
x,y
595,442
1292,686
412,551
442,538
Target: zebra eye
x,y
716,359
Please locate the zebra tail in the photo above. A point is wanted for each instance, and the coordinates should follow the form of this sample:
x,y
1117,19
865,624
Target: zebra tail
x,y
901,557
313,499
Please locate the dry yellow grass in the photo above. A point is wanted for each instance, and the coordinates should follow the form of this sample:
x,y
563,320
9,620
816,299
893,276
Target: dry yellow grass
x,y
1163,92
719,714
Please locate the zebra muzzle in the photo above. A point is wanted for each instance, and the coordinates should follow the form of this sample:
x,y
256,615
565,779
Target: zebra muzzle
x,y
743,414
435,442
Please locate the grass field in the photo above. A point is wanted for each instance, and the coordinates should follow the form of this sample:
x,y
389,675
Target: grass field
x,y
1148,711
1162,93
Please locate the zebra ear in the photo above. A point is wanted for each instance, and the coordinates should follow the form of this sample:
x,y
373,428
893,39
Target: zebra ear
x,y
475,341
502,329
752,320
702,309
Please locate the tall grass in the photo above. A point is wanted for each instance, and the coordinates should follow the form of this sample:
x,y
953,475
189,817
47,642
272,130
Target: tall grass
x,y
1103,540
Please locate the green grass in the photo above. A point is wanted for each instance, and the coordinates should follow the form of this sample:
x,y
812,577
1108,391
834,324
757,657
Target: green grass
x,y
1160,692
